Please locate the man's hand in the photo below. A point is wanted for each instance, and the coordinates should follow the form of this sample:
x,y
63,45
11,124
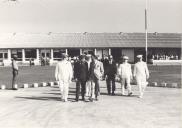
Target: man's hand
x,y
147,77
76,79
106,77
131,77
134,77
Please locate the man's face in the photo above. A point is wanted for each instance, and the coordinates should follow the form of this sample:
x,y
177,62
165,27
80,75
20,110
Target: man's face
x,y
125,60
93,59
83,59
139,59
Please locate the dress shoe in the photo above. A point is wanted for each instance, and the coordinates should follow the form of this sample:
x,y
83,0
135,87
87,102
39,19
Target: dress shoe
x,y
113,93
130,94
96,99
140,96
91,99
14,88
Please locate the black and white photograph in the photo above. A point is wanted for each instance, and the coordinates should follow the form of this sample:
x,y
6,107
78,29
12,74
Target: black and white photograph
x,y
90,63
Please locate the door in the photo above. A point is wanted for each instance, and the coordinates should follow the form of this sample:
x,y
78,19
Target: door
x,y
116,53
73,52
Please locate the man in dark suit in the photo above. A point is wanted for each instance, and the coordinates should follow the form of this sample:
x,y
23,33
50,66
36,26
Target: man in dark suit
x,y
110,75
81,75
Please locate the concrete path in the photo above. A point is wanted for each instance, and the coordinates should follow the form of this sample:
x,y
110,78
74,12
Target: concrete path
x,y
42,108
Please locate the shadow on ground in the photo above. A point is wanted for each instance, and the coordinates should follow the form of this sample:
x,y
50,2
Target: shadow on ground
x,y
44,98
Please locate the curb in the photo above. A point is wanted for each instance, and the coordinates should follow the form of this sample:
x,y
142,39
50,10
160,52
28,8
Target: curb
x,y
174,85
164,84
35,85
3,87
51,84
25,85
16,86
44,84
153,84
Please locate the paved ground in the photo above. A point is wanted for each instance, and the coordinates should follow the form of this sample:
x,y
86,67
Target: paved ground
x,y
41,108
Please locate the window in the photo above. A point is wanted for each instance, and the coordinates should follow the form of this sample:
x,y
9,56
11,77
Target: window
x,y
48,55
6,55
57,53
30,53
17,52
1,55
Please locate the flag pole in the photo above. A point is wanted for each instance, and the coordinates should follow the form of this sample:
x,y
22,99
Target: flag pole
x,y
146,32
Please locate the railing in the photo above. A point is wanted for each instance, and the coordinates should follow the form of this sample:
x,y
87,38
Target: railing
x,y
167,62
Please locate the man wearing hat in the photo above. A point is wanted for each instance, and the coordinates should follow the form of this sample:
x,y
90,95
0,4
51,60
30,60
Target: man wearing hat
x,y
81,75
141,74
64,74
110,73
15,72
125,74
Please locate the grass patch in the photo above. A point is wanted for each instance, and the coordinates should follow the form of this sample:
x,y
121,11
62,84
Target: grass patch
x,y
159,74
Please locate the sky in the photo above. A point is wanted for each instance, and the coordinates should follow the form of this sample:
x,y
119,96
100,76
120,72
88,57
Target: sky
x,y
90,16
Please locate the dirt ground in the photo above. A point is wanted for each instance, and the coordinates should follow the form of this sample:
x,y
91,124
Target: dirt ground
x,y
42,108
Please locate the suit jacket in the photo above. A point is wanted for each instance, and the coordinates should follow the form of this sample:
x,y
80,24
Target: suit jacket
x,y
81,71
111,69
141,70
64,71
124,70
96,70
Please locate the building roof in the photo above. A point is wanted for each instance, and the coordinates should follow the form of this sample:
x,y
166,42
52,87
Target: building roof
x,y
89,40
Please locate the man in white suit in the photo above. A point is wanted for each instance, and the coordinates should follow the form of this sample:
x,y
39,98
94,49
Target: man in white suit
x,y
125,73
64,74
141,75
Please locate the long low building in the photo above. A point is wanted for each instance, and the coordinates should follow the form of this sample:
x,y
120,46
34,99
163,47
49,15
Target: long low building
x,y
50,45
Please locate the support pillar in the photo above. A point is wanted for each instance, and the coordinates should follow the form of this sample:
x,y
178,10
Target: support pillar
x,y
8,61
66,51
52,57
23,55
181,53
9,54
52,54
95,51
81,51
37,61
109,51
37,56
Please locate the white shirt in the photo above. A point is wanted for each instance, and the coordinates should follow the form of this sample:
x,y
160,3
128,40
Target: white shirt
x,y
64,71
124,70
141,70
14,65
88,62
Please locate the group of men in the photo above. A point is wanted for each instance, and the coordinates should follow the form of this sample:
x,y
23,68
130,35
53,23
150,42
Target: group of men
x,y
88,71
